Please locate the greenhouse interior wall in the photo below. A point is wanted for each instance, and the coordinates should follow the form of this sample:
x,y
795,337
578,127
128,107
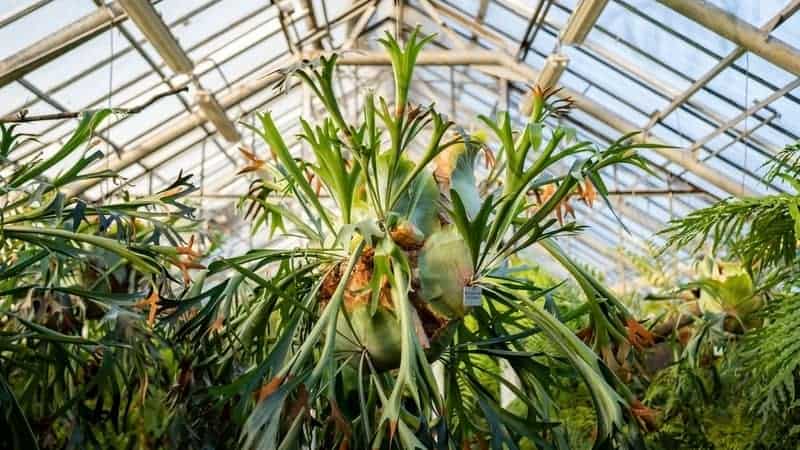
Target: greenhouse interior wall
x,y
406,224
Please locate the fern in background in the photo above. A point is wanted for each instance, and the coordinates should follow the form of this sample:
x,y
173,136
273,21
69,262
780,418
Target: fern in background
x,y
761,372
769,360
760,231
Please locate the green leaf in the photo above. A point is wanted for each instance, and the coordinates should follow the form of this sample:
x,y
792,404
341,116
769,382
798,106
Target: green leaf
x,y
86,126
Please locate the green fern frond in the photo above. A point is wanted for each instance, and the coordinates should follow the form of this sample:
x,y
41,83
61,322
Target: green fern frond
x,y
770,358
762,232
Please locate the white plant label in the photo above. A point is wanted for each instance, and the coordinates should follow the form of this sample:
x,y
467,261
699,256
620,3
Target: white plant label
x,y
472,295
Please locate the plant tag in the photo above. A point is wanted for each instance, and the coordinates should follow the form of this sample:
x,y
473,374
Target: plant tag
x,y
472,295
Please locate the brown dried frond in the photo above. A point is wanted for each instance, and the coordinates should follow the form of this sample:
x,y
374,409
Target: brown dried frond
x,y
639,336
587,192
150,303
407,236
647,417
253,162
268,388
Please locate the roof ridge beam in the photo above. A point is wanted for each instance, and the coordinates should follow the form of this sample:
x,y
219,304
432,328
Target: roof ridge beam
x,y
150,23
773,23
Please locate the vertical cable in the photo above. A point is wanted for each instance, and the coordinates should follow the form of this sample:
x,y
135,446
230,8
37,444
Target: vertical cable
x,y
747,116
104,187
201,212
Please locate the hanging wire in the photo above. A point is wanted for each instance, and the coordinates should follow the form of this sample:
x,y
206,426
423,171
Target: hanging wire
x,y
620,236
104,187
201,210
747,117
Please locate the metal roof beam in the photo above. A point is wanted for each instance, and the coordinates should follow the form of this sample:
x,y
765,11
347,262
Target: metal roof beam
x,y
678,100
654,226
621,124
149,22
753,142
581,21
736,30
587,105
14,15
179,128
586,130
56,44
204,67
185,124
285,129
147,19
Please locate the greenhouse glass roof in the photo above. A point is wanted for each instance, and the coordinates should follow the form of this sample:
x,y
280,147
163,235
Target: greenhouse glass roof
x,y
717,80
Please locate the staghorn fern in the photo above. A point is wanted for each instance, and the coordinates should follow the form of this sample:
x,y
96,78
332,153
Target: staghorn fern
x,y
762,367
331,344
759,231
76,349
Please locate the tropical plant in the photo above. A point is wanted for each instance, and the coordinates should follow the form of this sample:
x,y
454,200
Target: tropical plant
x,y
75,278
396,302
763,368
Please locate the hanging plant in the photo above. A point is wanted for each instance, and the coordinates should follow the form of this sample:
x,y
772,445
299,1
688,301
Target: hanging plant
x,y
400,265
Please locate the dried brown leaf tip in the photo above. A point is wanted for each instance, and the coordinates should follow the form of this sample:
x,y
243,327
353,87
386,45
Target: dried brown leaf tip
x,y
185,266
474,443
392,429
191,260
314,181
587,192
188,249
217,324
268,388
562,209
547,99
647,417
253,163
413,112
639,336
488,155
342,425
558,107
298,404
151,303
408,236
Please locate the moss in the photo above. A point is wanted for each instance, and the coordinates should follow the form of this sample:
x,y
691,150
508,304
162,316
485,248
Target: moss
x,y
580,422
723,427
719,422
